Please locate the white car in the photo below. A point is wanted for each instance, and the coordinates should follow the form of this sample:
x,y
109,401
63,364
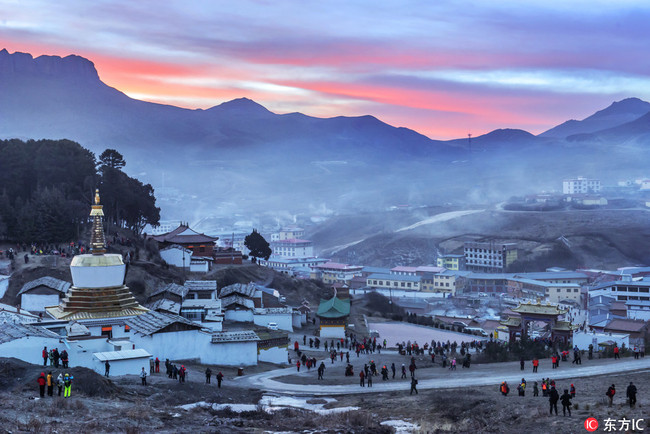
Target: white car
x,y
272,326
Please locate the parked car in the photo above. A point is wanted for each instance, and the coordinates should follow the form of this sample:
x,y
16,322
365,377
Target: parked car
x,y
272,326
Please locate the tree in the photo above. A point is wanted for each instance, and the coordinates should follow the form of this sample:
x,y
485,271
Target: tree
x,y
258,246
111,158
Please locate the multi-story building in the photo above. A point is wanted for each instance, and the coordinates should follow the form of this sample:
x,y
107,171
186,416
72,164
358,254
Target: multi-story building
x,y
489,257
635,295
394,281
549,292
293,248
581,185
334,272
288,233
451,262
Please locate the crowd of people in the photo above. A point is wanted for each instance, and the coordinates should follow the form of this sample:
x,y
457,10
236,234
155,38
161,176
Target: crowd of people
x,y
63,383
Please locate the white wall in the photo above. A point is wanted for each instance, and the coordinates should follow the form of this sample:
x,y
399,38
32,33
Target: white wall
x,y
274,355
122,367
284,320
296,320
200,267
643,314
194,344
38,302
29,349
179,345
4,284
81,352
332,332
240,315
582,340
231,354
175,257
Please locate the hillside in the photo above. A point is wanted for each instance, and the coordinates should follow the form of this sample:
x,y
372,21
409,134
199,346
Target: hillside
x,y
598,238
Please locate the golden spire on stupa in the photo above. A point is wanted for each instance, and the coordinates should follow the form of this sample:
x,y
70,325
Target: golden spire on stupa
x,y
97,240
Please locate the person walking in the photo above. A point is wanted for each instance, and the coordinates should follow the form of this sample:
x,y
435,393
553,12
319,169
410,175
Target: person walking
x,y
50,384
208,375
67,385
414,383
362,382
107,368
504,388
535,389
553,398
143,376
521,364
566,402
369,378
616,350
572,390
41,384
45,356
219,379
631,394
403,371
321,370
611,391
535,364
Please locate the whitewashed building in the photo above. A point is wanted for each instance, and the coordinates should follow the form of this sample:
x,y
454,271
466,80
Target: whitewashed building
x,y
176,255
36,295
581,185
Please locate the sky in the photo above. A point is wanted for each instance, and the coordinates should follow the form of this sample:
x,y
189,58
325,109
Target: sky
x,y
443,68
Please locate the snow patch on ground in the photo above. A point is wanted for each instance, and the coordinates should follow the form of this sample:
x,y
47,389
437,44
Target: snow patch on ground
x,y
401,426
440,218
272,403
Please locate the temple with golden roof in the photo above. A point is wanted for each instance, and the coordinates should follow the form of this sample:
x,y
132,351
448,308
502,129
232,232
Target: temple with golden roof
x,y
561,331
98,289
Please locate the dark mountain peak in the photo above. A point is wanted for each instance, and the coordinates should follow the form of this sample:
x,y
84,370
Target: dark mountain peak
x,y
507,134
243,106
70,67
617,113
634,106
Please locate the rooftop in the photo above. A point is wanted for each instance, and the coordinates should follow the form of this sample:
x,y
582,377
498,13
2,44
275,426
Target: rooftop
x,y
397,277
626,325
552,275
338,266
10,331
541,309
201,285
245,289
50,282
138,353
172,288
184,235
238,336
152,322
334,308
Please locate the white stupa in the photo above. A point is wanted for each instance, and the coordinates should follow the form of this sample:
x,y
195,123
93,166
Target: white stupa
x,y
98,289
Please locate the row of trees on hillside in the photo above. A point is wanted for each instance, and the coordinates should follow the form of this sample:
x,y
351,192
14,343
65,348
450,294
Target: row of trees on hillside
x,y
47,186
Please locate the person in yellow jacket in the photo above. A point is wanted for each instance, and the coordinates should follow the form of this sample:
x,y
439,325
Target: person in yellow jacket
x,y
50,383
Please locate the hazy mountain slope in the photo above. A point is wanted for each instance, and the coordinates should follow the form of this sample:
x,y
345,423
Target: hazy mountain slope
x,y
617,113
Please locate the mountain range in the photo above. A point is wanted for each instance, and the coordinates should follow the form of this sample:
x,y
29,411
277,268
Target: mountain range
x,y
238,152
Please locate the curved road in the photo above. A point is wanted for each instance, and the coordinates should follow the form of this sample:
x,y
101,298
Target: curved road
x,y
438,378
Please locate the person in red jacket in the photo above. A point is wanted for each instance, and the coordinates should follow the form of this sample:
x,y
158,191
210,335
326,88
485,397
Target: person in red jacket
x,y
616,356
41,384
298,365
535,364
45,356
362,377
